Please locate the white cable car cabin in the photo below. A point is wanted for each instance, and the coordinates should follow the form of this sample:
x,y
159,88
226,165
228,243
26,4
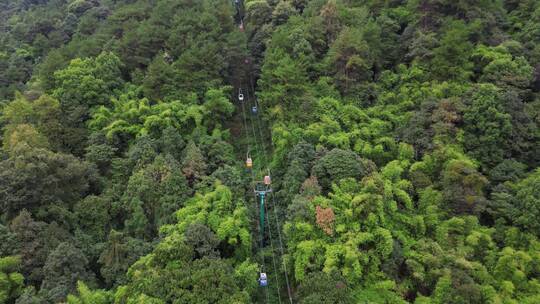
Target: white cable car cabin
x,y
240,96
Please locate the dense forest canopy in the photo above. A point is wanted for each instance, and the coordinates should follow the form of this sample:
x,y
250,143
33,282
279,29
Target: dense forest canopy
x,y
402,139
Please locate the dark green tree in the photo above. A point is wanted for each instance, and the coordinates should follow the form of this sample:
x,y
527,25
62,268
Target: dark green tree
x,y
36,178
487,126
120,252
65,265
93,217
36,240
194,164
526,203
323,288
451,59
8,243
351,60
284,87
463,187
158,82
203,241
336,165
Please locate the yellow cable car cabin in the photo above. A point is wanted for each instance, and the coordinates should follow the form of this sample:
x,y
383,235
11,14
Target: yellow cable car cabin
x,y
249,163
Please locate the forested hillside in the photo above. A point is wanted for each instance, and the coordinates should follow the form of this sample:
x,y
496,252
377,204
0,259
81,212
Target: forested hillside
x,y
402,139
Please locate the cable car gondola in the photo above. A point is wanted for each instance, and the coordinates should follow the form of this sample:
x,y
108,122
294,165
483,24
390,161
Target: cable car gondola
x,y
263,281
240,95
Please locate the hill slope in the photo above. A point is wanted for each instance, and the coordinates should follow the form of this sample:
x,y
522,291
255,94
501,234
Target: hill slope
x,y
402,138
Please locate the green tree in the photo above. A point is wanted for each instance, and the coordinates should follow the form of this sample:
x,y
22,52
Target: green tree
x,y
336,165
194,164
8,243
64,267
501,69
11,281
527,202
88,82
224,215
87,296
93,216
36,240
451,59
175,270
153,194
36,178
118,254
35,122
282,12
100,152
284,87
29,296
300,161
463,187
203,280
24,136
203,240
320,287
258,12
487,126
172,143
351,60
158,81
83,85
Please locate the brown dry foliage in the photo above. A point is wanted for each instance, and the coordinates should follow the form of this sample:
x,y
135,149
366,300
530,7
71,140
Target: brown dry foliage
x,y
325,219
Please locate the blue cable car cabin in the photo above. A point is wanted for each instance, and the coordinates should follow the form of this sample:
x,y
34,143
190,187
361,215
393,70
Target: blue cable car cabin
x,y
263,281
254,110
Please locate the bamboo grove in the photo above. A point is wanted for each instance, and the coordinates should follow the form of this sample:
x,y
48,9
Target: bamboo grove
x,y
402,137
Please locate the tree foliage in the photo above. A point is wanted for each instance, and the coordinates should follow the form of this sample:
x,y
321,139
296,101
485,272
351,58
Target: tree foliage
x,y
11,281
402,139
